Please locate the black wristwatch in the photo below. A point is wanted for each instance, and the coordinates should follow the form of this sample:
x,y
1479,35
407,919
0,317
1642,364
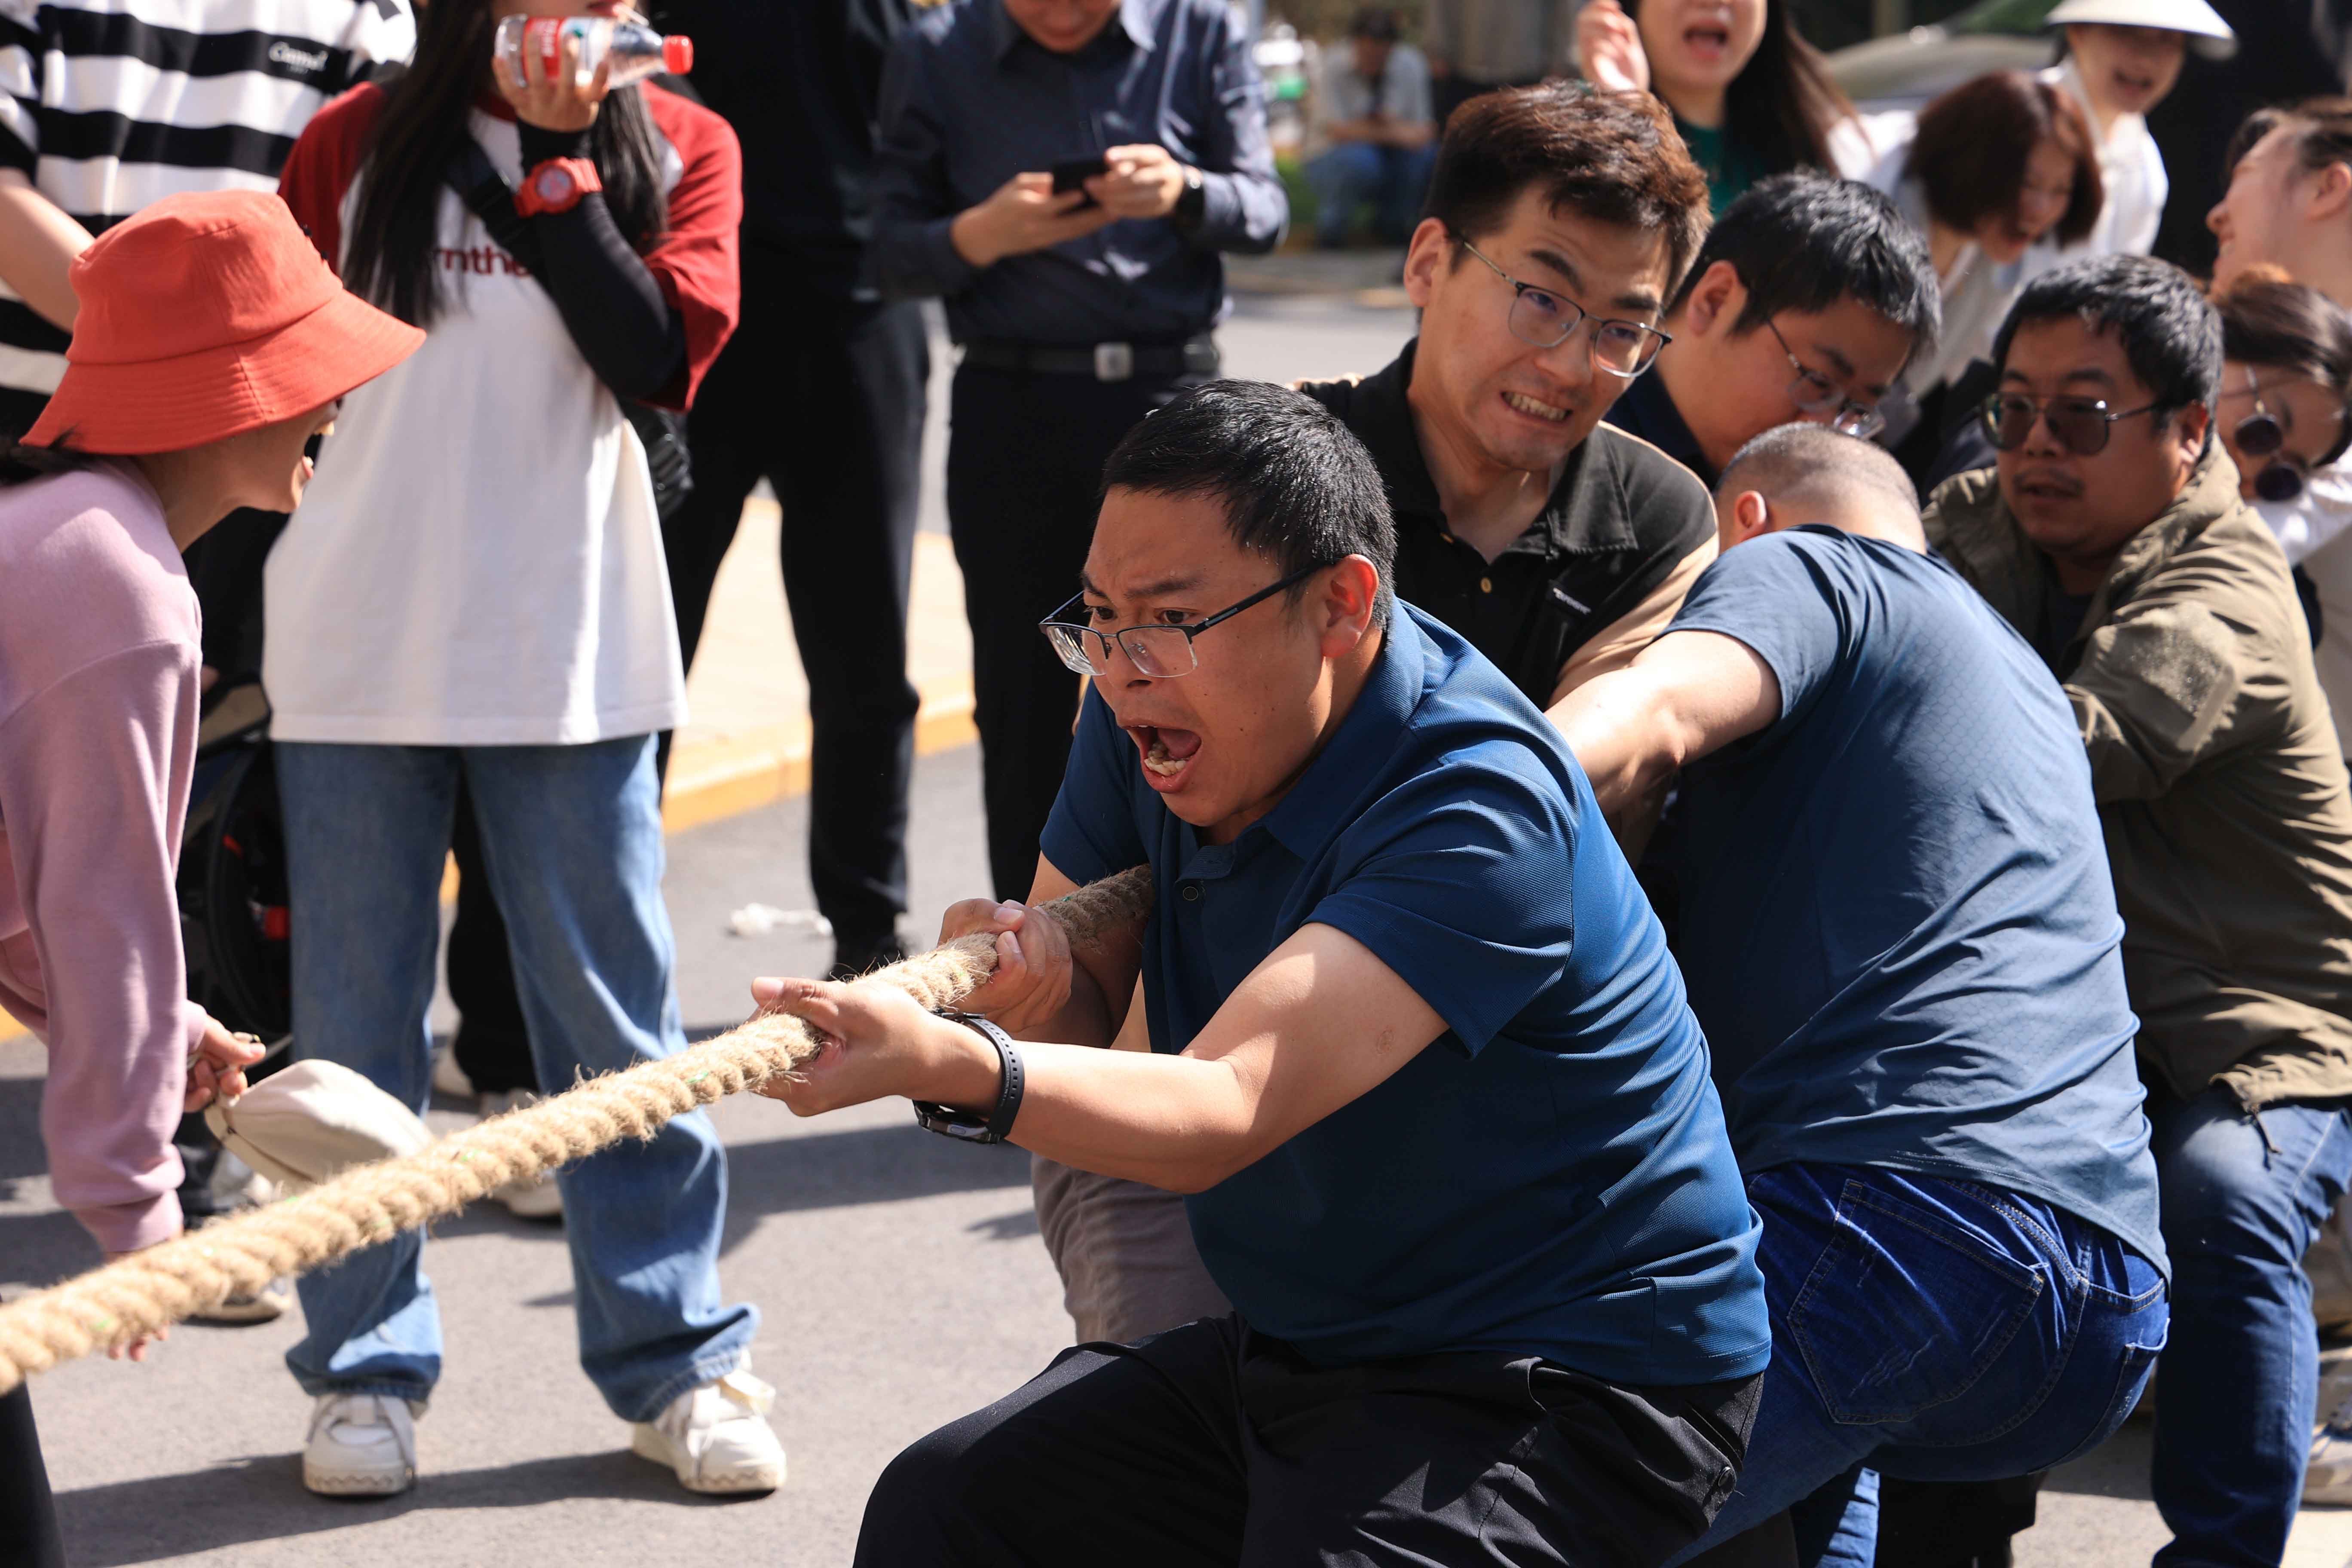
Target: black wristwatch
x,y
1191,204
970,1125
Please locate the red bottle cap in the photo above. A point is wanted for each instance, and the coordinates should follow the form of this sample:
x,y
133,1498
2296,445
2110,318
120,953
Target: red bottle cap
x,y
678,54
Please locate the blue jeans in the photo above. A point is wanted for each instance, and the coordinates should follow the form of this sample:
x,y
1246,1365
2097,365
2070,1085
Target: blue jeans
x,y
572,839
1937,1329
1393,179
2243,1197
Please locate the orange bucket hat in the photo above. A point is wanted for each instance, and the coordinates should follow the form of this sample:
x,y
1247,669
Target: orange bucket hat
x,y
204,316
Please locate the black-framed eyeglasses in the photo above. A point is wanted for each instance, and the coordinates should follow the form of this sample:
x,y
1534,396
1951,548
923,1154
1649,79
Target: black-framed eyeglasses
x,y
1543,318
1818,397
2081,425
2263,434
1160,652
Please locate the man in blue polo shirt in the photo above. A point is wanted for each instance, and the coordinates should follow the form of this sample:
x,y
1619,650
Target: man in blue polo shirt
x,y
1903,943
1419,1056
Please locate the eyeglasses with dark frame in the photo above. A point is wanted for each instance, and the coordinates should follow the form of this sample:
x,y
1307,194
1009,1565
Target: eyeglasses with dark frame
x,y
1162,652
2263,434
1816,395
1543,318
2081,425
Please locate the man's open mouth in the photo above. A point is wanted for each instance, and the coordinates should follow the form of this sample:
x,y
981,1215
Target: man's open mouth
x,y
1167,752
2048,486
1534,409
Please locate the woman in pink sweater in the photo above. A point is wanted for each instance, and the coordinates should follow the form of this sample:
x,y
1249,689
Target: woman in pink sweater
x,y
212,344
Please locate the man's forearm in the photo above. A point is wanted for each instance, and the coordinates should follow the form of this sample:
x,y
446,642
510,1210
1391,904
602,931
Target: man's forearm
x,y
39,243
1620,727
1177,1123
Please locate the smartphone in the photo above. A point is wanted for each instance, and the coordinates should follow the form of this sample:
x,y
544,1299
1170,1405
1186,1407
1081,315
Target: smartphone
x,y
1072,175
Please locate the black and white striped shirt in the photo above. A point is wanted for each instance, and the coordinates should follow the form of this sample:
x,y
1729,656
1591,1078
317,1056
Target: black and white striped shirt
x,y
108,105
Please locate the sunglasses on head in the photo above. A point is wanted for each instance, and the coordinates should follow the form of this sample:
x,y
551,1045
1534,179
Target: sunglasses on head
x,y
2081,425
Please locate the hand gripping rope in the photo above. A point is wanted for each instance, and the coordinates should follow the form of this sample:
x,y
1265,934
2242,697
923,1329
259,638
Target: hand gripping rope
x,y
147,1290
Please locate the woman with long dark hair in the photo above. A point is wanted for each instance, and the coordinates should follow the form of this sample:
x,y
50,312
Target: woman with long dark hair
x,y
1750,95
475,590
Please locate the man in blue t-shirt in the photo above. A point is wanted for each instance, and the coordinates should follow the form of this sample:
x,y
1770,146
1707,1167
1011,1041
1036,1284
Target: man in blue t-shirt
x,y
1902,940
1419,1056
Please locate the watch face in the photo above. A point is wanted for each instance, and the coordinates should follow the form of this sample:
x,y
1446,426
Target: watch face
x,y
552,184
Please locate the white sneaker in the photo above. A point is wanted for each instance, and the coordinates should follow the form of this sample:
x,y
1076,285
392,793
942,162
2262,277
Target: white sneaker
x,y
539,1197
361,1445
2327,1476
717,1437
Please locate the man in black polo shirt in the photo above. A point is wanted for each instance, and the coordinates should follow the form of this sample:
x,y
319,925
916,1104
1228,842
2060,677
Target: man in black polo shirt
x,y
1809,298
1558,221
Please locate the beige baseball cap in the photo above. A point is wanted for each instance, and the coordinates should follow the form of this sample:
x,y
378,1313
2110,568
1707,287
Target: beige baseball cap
x,y
2208,33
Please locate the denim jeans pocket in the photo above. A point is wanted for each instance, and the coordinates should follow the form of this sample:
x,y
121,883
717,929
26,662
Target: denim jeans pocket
x,y
1905,1310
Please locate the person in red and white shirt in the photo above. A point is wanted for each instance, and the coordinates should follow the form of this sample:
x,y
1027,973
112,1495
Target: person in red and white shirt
x,y
474,588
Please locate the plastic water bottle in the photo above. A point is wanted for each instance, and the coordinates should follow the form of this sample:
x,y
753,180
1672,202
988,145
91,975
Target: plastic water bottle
x,y
635,49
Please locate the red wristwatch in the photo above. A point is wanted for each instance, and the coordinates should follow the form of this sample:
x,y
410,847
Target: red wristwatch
x,y
556,186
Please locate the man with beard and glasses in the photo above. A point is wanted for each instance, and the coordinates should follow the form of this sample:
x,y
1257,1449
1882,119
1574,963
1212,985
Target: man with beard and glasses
x,y
1418,1058
2112,535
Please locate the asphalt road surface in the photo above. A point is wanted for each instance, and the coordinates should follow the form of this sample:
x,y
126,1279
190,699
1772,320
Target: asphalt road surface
x,y
900,1277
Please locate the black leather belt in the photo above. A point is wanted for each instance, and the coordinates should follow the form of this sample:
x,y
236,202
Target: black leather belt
x,y
1101,361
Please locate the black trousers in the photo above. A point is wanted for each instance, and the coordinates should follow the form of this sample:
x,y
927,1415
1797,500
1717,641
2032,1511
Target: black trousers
x,y
29,1515
1209,1445
1025,479
493,1045
824,398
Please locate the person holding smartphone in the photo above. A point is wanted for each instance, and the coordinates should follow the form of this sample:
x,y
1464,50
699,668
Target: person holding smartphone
x,y
1079,311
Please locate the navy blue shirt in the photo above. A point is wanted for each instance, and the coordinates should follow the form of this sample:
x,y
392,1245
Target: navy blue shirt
x,y
969,100
1646,408
1550,1176
1898,921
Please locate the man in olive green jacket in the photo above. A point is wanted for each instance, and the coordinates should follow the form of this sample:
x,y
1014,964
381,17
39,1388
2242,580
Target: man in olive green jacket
x,y
2112,537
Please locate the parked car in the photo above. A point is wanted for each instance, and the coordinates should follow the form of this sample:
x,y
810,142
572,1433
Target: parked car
x,y
1908,70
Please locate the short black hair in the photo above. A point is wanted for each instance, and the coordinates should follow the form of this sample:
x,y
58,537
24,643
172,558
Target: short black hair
x,y
1801,242
2170,332
1297,484
1815,463
1612,157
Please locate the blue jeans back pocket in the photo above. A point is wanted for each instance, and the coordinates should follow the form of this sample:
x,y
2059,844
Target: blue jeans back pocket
x,y
1905,1310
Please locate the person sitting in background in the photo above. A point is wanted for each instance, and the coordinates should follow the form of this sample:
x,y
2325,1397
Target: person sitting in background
x,y
1900,936
2122,58
2112,535
1372,105
1481,46
1750,95
1983,172
210,346
1806,301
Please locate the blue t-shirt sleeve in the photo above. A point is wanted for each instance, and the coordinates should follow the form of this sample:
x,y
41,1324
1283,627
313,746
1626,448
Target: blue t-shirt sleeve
x,y
1092,833
1461,886
1784,595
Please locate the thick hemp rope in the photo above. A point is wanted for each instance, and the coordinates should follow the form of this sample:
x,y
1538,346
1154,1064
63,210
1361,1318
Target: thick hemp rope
x,y
147,1290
